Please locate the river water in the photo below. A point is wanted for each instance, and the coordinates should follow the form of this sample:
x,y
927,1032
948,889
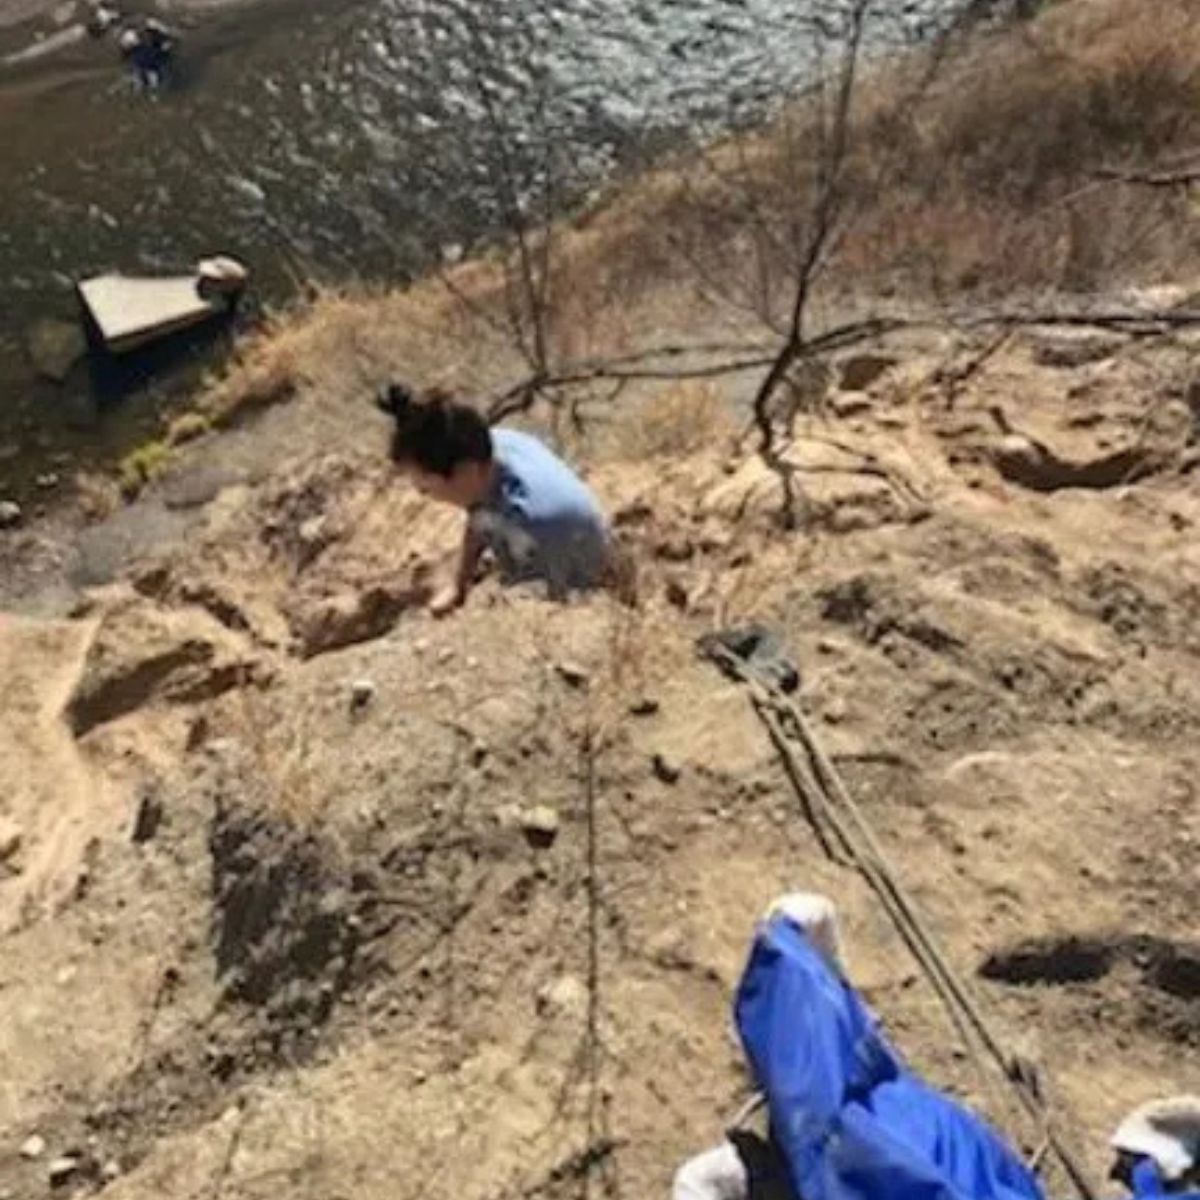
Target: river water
x,y
340,139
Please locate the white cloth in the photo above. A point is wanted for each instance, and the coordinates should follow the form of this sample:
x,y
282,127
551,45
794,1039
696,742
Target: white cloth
x,y
817,916
717,1174
1167,1131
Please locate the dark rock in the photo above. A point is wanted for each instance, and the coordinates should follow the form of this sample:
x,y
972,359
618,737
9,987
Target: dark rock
x,y
10,839
149,818
666,769
572,674
858,372
677,594
1035,466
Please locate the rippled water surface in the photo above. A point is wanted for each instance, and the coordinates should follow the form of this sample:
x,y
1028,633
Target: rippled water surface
x,y
341,137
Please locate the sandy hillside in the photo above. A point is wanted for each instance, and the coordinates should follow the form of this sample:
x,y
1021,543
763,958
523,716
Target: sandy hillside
x,y
303,892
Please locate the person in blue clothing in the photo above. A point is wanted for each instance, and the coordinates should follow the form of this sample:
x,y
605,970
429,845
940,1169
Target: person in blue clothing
x,y
524,504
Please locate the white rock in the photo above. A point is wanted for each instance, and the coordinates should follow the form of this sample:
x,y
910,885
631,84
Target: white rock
x,y
62,1170
541,822
567,996
33,1147
10,514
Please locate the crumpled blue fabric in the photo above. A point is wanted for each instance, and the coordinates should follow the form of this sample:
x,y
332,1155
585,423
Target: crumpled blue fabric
x,y
851,1120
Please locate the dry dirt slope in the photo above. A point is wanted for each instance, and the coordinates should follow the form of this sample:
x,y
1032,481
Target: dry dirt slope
x,y
304,893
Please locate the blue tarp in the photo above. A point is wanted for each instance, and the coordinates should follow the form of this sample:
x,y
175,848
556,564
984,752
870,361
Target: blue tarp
x,y
851,1120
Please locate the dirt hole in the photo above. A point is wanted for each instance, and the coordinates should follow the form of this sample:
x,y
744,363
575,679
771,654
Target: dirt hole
x,y
1067,960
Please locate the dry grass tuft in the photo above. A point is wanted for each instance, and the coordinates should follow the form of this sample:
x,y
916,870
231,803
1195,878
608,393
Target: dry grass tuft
x,y
97,495
187,427
142,466
674,422
283,760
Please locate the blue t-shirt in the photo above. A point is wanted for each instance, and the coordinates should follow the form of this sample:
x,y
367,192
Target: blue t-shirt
x,y
541,520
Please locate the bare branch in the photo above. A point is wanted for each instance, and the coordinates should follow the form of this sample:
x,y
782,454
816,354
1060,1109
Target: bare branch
x,y
826,210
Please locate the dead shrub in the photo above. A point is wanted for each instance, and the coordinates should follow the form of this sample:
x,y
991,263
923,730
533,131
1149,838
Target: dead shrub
x,y
992,182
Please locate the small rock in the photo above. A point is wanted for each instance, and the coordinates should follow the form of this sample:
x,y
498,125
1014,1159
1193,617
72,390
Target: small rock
x,y
62,1171
858,372
47,481
149,818
540,825
312,530
1074,347
836,711
677,593
666,769
572,674
10,838
565,996
10,514
197,734
671,948
54,347
849,404
110,1171
646,706
362,692
33,1147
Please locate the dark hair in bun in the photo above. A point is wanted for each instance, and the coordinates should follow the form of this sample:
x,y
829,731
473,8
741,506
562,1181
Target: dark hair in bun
x,y
434,432
396,399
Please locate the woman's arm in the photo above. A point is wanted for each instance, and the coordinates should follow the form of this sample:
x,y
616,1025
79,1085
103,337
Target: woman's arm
x,y
453,596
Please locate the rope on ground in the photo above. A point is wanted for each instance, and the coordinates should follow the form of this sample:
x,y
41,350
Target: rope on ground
x,y
823,792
